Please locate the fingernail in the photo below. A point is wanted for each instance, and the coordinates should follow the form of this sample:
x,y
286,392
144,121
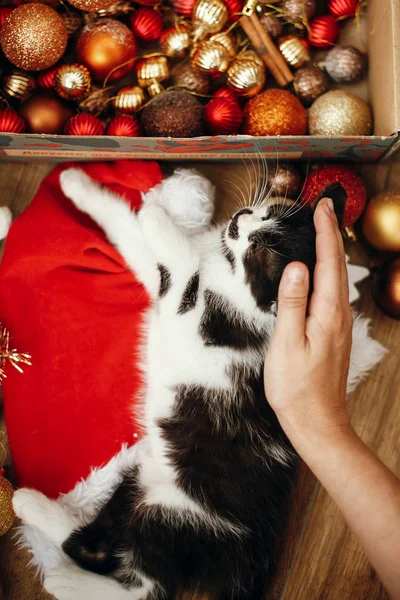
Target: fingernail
x,y
329,205
295,273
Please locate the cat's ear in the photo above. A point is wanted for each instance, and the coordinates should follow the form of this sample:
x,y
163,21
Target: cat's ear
x,y
339,197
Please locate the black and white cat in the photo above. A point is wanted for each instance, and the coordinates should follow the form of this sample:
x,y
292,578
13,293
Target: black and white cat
x,y
200,503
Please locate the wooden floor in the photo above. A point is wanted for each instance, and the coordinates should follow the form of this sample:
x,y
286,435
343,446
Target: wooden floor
x,y
320,559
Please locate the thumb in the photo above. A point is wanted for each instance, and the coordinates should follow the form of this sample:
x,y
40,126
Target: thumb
x,y
292,301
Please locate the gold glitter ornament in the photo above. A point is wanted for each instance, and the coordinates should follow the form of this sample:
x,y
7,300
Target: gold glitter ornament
x,y
310,83
175,41
191,79
152,69
96,101
18,84
345,64
246,77
209,16
295,52
339,113
297,11
275,112
7,515
72,21
228,40
72,82
211,58
33,37
129,99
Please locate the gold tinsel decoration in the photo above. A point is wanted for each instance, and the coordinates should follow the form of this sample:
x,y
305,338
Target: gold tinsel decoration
x,y
7,515
18,84
10,355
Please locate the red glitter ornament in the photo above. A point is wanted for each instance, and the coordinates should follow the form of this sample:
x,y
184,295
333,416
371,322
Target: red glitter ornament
x,y
147,24
11,122
5,12
123,125
324,31
354,186
235,7
84,124
183,7
227,93
45,79
223,116
343,9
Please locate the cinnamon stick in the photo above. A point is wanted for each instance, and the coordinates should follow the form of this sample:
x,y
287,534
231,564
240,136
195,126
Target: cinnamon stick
x,y
266,49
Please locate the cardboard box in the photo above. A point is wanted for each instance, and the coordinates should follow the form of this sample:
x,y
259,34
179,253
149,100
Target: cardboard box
x,y
380,32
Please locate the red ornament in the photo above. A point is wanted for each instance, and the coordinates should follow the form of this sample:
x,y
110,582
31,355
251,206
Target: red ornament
x,y
5,12
123,125
147,24
11,122
183,7
343,9
46,78
227,93
84,124
235,7
223,116
324,31
354,186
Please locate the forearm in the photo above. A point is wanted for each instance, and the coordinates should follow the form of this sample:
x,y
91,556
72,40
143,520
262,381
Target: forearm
x,y
365,490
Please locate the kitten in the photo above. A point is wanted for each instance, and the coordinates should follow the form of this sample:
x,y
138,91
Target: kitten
x,y
202,504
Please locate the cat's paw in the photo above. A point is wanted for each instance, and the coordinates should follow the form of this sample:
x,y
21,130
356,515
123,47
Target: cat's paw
x,y
78,187
63,583
5,221
72,583
30,506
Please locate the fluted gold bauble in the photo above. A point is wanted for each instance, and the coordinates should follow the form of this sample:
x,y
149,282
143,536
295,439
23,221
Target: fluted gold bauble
x,y
191,79
251,55
18,84
175,41
340,113
7,516
152,69
295,51
129,99
209,16
72,82
381,222
228,40
386,287
309,84
246,77
211,58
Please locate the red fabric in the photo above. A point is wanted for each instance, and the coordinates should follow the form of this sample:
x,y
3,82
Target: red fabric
x,y
68,299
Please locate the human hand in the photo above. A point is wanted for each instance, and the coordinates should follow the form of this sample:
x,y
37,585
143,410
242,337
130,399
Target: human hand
x,y
308,359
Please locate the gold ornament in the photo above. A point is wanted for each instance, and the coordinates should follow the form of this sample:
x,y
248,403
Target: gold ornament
x,y
228,40
211,58
129,99
275,112
246,77
283,180
72,21
345,64
340,113
72,82
175,41
294,51
209,16
7,516
115,10
96,101
381,222
251,55
10,355
152,69
297,11
310,83
18,85
386,287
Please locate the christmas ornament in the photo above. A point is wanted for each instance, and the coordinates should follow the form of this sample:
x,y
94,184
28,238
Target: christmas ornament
x,y
354,186
209,16
295,51
107,48
46,79
343,9
115,10
223,116
123,125
9,355
345,64
44,112
72,21
173,114
275,112
183,7
5,12
175,41
84,124
310,83
297,10
235,8
386,287
251,55
272,25
72,82
381,222
152,69
340,113
129,99
323,31
228,40
211,58
283,180
91,5
246,77
227,93
11,122
18,84
96,101
191,79
7,516
152,3
33,37
147,24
